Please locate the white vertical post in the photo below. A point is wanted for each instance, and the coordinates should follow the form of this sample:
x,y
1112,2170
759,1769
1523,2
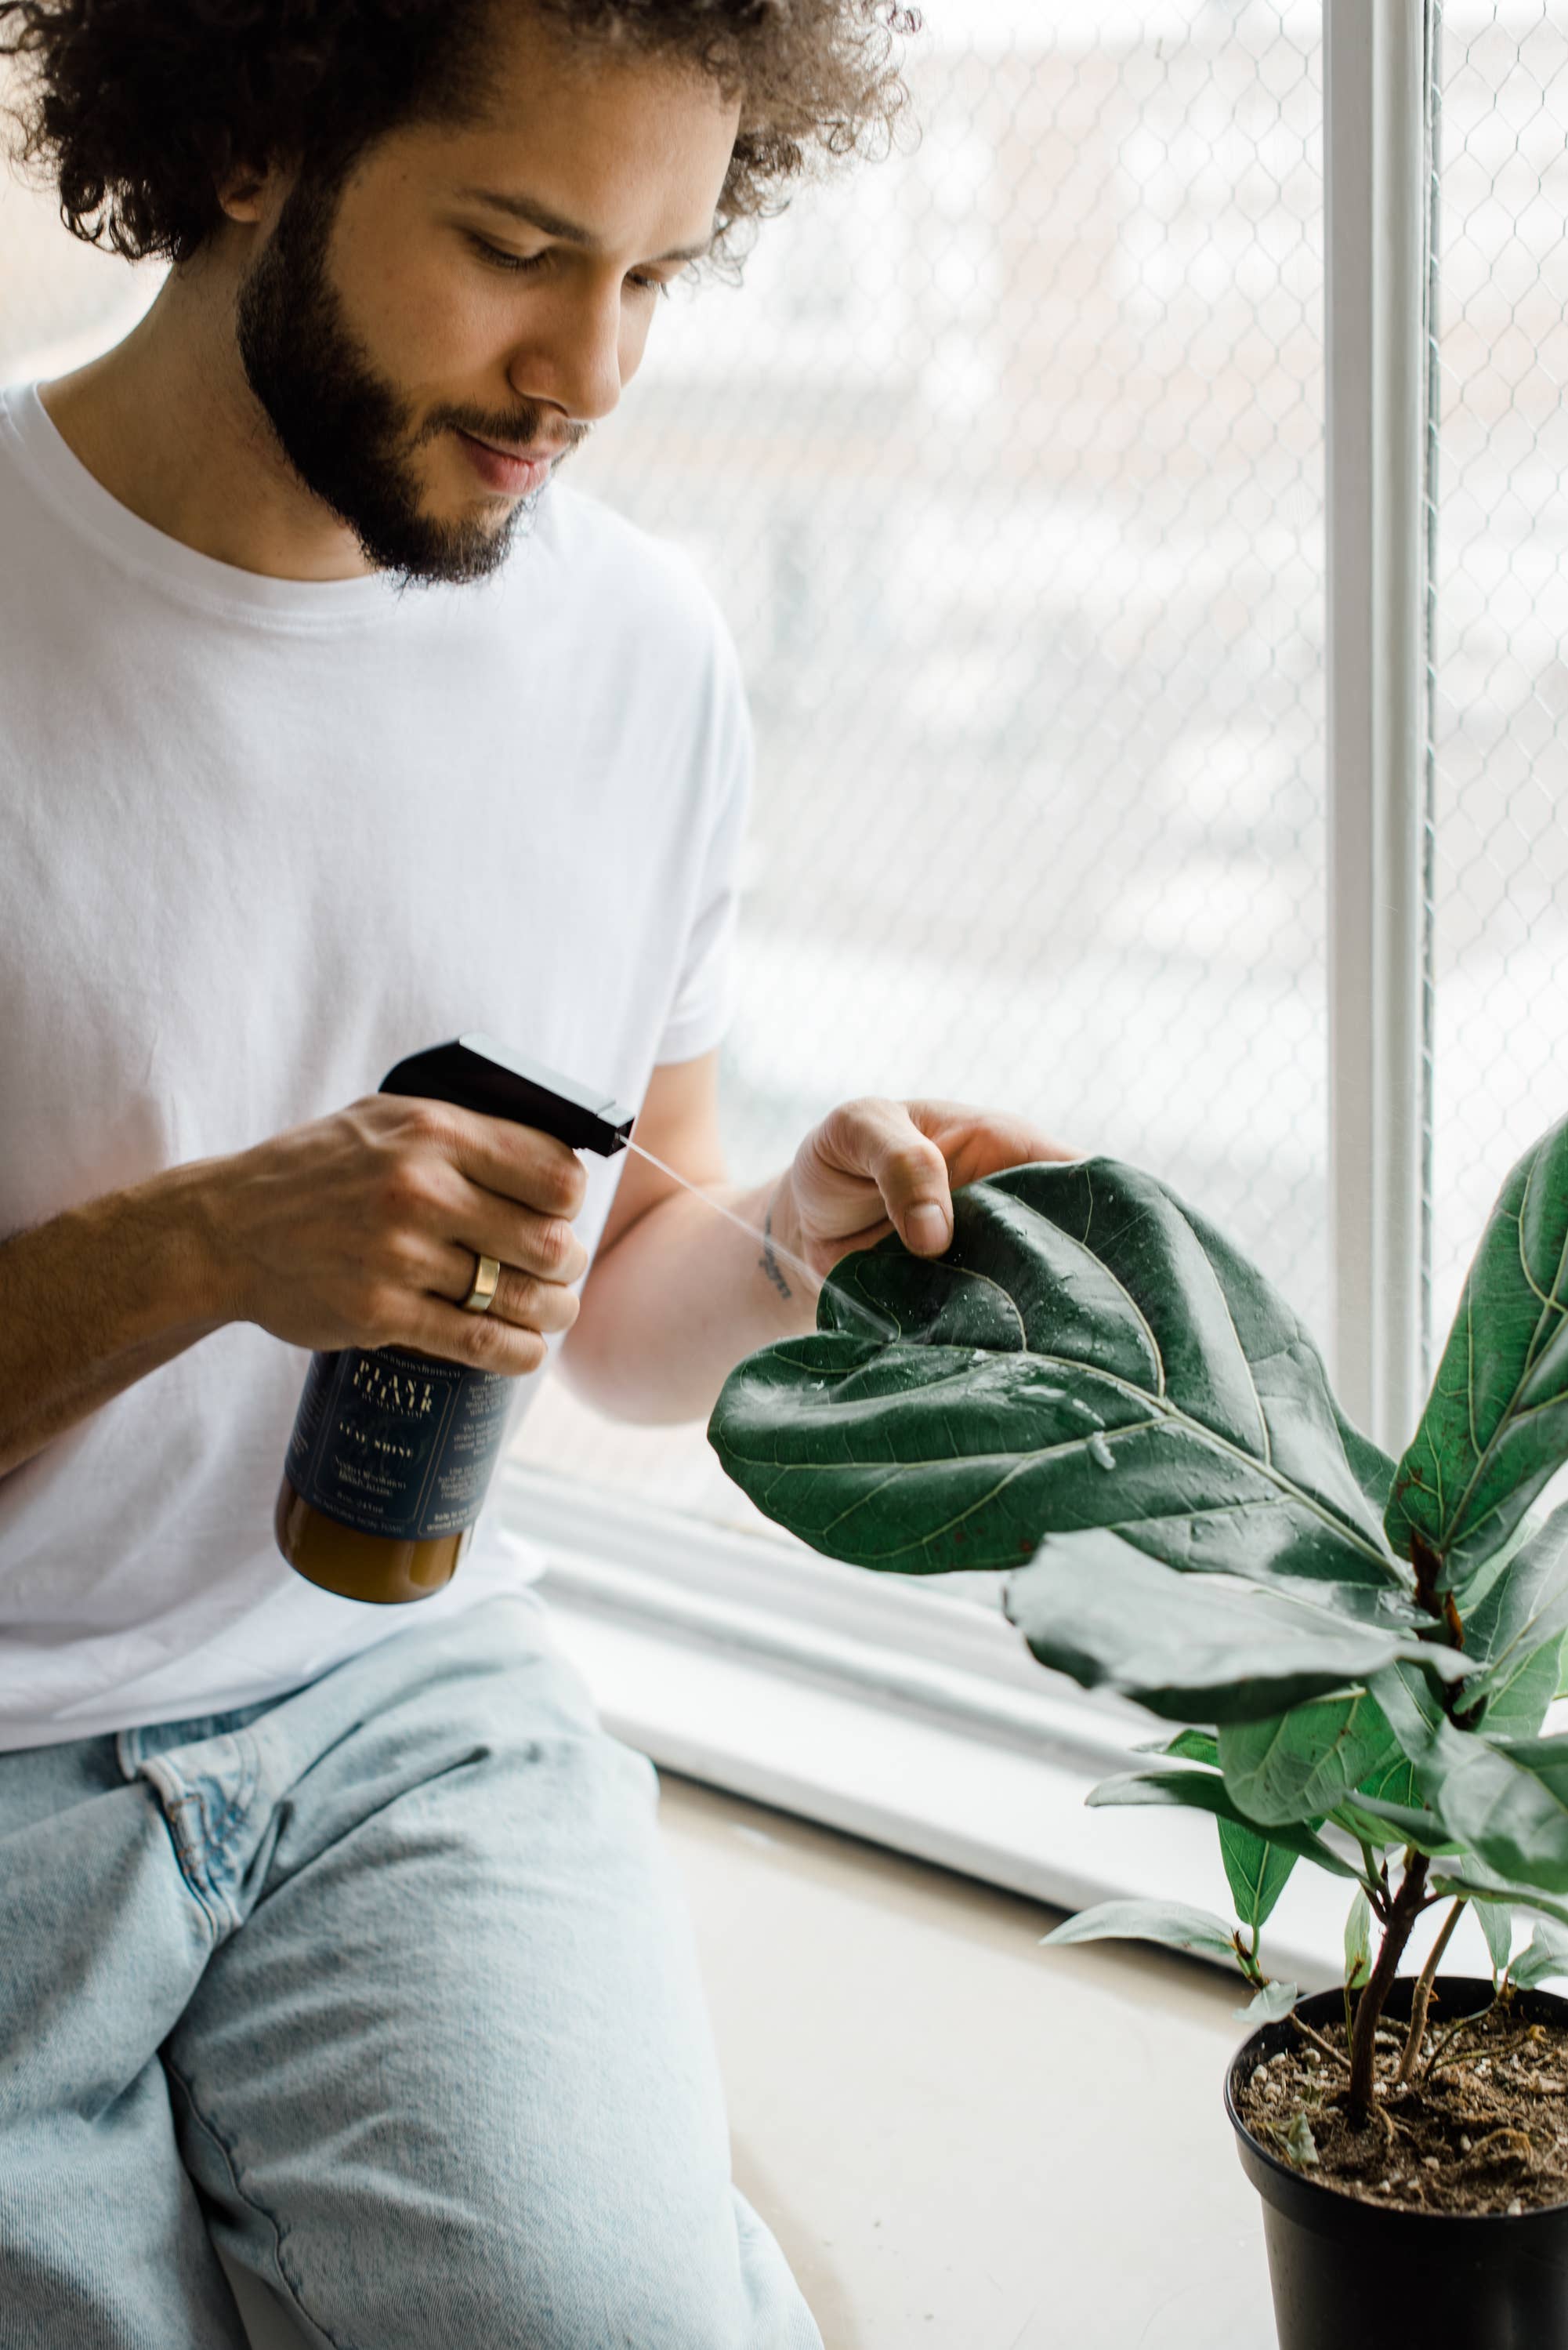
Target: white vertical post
x,y
1374,154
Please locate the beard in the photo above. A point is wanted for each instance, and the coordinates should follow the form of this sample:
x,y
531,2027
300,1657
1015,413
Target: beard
x,y
346,430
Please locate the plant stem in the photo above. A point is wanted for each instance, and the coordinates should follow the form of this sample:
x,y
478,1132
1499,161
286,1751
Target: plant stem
x,y
1411,1898
1421,1998
1403,1910
1451,2034
1376,1881
1317,2040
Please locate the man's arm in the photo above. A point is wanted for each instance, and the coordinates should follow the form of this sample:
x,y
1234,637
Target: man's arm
x,y
678,1296
358,1229
95,1299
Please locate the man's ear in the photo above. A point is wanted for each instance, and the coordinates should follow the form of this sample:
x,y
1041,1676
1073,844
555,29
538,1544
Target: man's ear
x,y
246,194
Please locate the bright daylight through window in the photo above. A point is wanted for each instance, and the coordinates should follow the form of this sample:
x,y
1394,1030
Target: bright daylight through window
x,y
1007,465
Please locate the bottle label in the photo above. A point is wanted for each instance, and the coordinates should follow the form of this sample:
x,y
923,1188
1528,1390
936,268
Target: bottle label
x,y
396,1444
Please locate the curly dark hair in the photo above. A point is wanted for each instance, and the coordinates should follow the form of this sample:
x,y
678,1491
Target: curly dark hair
x,y
140,108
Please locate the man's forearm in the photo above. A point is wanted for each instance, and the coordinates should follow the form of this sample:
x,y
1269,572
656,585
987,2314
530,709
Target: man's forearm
x,y
92,1301
678,1300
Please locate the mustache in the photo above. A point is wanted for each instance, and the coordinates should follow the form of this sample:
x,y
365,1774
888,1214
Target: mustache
x,y
522,427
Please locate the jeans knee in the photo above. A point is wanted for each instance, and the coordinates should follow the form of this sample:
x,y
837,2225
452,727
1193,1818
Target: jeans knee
x,y
590,2309
667,2295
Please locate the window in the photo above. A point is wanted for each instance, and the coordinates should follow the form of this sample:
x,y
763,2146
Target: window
x,y
1498,606
1007,467
1162,715
1153,588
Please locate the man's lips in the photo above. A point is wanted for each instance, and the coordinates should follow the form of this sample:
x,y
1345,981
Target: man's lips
x,y
516,473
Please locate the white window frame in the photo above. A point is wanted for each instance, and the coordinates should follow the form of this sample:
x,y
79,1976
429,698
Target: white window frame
x,y
904,1714
1375,191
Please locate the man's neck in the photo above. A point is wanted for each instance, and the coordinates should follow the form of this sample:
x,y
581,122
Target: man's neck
x,y
168,424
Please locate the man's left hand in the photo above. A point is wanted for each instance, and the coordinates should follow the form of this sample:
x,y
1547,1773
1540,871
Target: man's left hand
x,y
873,1167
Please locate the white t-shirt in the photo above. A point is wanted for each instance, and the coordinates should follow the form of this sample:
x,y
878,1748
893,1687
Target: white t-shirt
x,y
259,839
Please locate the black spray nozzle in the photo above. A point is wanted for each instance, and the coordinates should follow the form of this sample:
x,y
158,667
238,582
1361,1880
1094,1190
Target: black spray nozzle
x,y
476,1073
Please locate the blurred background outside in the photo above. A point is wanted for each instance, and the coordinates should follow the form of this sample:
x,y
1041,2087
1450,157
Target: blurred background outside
x,y
1006,465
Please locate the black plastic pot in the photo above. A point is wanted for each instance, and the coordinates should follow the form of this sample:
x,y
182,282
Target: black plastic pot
x,y
1351,2275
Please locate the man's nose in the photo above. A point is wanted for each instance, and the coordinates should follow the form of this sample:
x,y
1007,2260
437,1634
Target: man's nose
x,y
573,357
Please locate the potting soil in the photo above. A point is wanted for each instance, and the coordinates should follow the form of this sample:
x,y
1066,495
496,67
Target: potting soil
x,y
1481,2126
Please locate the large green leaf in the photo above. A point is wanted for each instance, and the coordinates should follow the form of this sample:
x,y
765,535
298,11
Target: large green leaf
x,y
1390,1783
1497,1926
1205,1791
1506,1798
1193,1648
1174,1923
1257,1871
1478,1884
1547,1956
1298,1765
1517,1631
1186,1746
1518,1701
1087,1354
1274,2001
1390,1823
1496,1424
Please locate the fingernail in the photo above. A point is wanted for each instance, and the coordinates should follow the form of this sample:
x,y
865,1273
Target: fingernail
x,y
927,1229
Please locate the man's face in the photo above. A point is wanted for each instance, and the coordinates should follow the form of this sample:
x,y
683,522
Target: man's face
x,y
429,340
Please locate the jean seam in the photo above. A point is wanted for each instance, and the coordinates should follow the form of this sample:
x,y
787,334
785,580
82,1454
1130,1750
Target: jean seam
x,y
279,2231
219,1869
220,1823
178,1796
174,1797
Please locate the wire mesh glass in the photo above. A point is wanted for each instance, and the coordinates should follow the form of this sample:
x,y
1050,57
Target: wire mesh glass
x,y
1006,467
1499,605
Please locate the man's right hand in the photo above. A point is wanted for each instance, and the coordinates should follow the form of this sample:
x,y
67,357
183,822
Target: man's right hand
x,y
362,1229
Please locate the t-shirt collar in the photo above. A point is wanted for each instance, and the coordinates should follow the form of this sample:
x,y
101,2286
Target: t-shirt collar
x,y
81,500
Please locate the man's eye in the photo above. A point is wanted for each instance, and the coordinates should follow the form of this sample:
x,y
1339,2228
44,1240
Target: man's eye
x,y
495,257
499,258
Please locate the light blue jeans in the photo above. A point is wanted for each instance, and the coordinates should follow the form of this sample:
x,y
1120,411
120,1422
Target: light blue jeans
x,y
386,1986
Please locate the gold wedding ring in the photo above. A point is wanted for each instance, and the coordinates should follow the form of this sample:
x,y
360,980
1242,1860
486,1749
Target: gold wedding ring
x,y
486,1275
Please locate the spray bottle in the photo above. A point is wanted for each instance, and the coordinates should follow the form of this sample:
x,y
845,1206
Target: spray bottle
x,y
392,1450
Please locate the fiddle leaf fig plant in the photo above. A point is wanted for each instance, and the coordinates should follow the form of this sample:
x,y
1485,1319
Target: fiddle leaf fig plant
x,y
1095,1393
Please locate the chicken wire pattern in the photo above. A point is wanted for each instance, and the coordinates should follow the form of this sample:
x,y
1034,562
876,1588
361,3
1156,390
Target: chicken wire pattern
x,y
1498,640
1006,467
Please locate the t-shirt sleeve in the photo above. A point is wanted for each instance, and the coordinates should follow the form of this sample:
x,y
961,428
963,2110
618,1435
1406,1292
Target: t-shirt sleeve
x,y
708,989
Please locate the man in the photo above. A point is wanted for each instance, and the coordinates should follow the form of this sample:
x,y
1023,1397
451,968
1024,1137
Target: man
x,y
326,731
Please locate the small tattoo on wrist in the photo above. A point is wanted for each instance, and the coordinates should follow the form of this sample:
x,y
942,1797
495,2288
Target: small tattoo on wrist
x,y
768,1261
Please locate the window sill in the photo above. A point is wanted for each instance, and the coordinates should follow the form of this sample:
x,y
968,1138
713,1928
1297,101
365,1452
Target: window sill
x,y
900,1714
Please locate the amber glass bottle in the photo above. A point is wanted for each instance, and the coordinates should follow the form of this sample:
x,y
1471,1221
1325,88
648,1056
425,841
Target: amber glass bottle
x,y
387,1470
392,1451
361,1567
